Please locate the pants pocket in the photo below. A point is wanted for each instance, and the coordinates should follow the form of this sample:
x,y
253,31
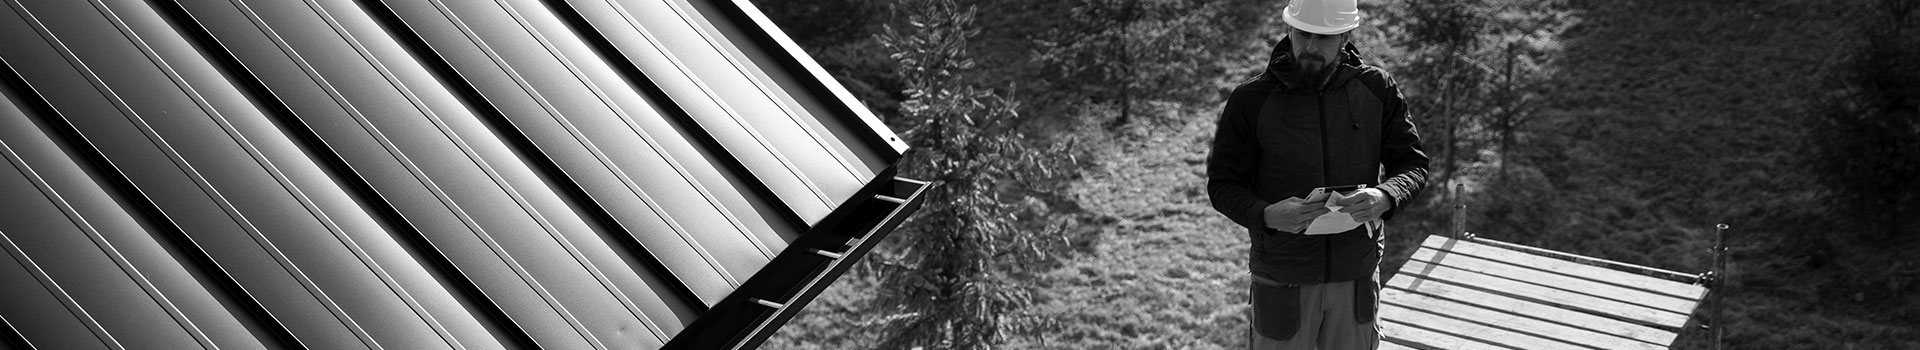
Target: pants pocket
x,y
1276,310
1366,299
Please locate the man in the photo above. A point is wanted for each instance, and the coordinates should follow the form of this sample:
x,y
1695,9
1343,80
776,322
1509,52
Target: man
x,y
1317,117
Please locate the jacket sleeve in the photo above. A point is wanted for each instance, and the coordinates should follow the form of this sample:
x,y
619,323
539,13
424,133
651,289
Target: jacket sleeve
x,y
1401,153
1231,164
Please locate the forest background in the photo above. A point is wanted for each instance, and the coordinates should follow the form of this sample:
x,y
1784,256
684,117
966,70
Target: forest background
x,y
1069,139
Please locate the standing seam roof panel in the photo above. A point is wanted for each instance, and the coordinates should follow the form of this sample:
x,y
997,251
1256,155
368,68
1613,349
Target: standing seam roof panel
x,y
113,227
422,174
524,100
67,327
693,73
461,153
236,240
52,228
536,245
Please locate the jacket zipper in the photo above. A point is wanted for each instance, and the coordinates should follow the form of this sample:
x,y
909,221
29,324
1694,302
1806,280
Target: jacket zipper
x,y
1326,175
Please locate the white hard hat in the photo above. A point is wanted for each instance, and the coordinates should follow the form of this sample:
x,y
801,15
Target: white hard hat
x,y
1328,17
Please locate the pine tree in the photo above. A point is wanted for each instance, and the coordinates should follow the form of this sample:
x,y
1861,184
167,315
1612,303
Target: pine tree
x,y
955,284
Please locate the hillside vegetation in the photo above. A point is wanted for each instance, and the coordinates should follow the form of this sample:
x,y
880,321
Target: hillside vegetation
x,y
1622,129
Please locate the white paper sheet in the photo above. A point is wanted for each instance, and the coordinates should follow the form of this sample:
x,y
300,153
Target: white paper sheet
x,y
1333,221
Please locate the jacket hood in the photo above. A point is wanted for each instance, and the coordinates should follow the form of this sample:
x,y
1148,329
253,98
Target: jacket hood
x,y
1280,68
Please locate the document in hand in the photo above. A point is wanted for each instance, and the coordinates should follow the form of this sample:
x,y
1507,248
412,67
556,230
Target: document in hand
x,y
1333,221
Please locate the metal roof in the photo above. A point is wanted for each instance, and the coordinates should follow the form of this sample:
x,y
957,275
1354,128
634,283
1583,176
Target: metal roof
x,y
421,174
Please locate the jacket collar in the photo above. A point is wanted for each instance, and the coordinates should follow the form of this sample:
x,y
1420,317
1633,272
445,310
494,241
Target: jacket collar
x,y
1280,67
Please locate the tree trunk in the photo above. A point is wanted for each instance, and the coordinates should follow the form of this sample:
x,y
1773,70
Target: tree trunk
x,y
1126,66
1448,153
1512,102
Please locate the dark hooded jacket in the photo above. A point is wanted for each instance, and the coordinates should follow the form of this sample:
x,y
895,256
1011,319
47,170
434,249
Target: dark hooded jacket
x,y
1282,134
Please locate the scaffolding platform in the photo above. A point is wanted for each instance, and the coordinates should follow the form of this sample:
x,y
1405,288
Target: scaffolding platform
x,y
1477,293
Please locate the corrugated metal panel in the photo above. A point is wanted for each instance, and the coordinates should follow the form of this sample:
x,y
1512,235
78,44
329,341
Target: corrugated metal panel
x,y
423,174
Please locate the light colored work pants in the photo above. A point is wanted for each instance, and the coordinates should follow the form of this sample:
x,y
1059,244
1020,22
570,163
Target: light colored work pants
x,y
1313,316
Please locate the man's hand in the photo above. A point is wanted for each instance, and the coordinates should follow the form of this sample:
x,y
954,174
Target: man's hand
x,y
1293,214
1365,205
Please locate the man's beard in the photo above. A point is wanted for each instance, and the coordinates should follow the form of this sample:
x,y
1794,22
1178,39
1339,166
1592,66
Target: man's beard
x,y
1314,67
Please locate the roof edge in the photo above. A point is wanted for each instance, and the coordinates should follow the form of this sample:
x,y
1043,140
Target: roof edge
x,y
762,304
797,59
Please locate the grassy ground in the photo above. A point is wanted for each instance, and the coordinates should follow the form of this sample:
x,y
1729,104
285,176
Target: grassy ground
x,y
1674,115
1165,271
1666,117
1159,268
